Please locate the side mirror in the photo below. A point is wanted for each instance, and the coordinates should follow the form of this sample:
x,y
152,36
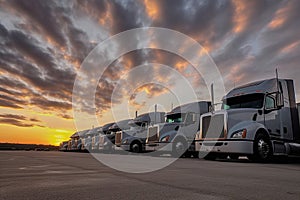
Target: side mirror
x,y
279,100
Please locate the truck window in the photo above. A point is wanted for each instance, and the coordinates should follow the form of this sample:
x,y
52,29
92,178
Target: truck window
x,y
190,118
175,118
270,103
244,101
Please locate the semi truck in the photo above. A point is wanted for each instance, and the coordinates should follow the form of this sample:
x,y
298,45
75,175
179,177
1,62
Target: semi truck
x,y
87,140
176,135
63,146
258,120
75,142
108,140
96,139
134,139
103,131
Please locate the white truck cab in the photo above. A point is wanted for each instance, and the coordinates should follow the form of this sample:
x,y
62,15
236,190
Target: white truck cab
x,y
258,120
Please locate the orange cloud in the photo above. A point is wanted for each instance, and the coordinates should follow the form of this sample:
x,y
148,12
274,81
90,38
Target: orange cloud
x,y
290,47
279,18
241,12
106,19
152,9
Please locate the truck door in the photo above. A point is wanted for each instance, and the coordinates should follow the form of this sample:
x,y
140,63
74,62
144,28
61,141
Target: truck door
x,y
191,125
271,115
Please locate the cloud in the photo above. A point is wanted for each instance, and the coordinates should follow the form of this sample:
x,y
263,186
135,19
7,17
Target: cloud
x,y
19,120
42,44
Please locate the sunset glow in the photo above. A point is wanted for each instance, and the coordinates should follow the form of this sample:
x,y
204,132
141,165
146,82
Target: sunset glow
x,y
43,44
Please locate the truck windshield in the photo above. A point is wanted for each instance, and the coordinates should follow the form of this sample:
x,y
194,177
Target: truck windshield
x,y
178,117
244,101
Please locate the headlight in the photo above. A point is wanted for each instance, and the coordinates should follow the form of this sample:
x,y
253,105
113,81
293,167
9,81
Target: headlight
x,y
125,141
240,134
165,139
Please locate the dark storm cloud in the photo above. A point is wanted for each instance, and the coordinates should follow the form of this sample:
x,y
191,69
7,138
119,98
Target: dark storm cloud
x,y
9,91
8,104
46,16
48,104
15,122
18,120
13,99
19,117
126,15
42,46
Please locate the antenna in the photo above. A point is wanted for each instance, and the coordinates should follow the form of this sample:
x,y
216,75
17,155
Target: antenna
x,y
136,114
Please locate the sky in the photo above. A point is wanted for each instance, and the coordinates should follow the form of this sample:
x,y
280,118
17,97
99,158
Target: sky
x,y
44,43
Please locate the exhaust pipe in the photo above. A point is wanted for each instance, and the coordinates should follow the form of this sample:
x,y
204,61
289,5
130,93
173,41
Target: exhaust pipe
x,y
212,98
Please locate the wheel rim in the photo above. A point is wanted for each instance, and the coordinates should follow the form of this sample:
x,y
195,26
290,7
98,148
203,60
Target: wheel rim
x,y
263,148
135,148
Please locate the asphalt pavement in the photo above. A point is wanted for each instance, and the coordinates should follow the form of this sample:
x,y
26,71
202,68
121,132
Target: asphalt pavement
x,y
64,175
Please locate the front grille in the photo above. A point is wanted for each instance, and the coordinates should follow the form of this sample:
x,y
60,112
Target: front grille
x,y
152,134
118,138
213,127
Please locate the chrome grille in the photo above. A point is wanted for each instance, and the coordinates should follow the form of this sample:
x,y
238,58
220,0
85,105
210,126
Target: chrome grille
x,y
118,138
213,127
152,134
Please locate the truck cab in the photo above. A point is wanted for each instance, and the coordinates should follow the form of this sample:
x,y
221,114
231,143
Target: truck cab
x,y
88,139
96,139
76,141
134,139
176,135
110,138
63,146
103,132
258,120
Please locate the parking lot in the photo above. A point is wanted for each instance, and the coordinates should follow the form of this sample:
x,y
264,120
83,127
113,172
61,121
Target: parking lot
x,y
65,175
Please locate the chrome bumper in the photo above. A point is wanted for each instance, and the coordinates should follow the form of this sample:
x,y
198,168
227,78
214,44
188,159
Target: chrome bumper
x,y
226,146
159,147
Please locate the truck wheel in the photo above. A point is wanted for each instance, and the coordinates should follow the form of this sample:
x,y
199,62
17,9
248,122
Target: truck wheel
x,y
136,147
187,154
210,156
179,147
262,149
234,156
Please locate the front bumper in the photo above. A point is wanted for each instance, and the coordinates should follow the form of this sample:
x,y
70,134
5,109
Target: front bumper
x,y
226,146
159,147
124,147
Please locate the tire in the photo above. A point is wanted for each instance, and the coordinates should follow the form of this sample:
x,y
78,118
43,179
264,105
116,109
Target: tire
x,y
179,147
222,156
262,149
210,156
195,154
136,147
234,156
187,154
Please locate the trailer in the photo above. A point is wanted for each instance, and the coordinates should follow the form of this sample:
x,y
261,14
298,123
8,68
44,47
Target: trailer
x,y
176,135
258,120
